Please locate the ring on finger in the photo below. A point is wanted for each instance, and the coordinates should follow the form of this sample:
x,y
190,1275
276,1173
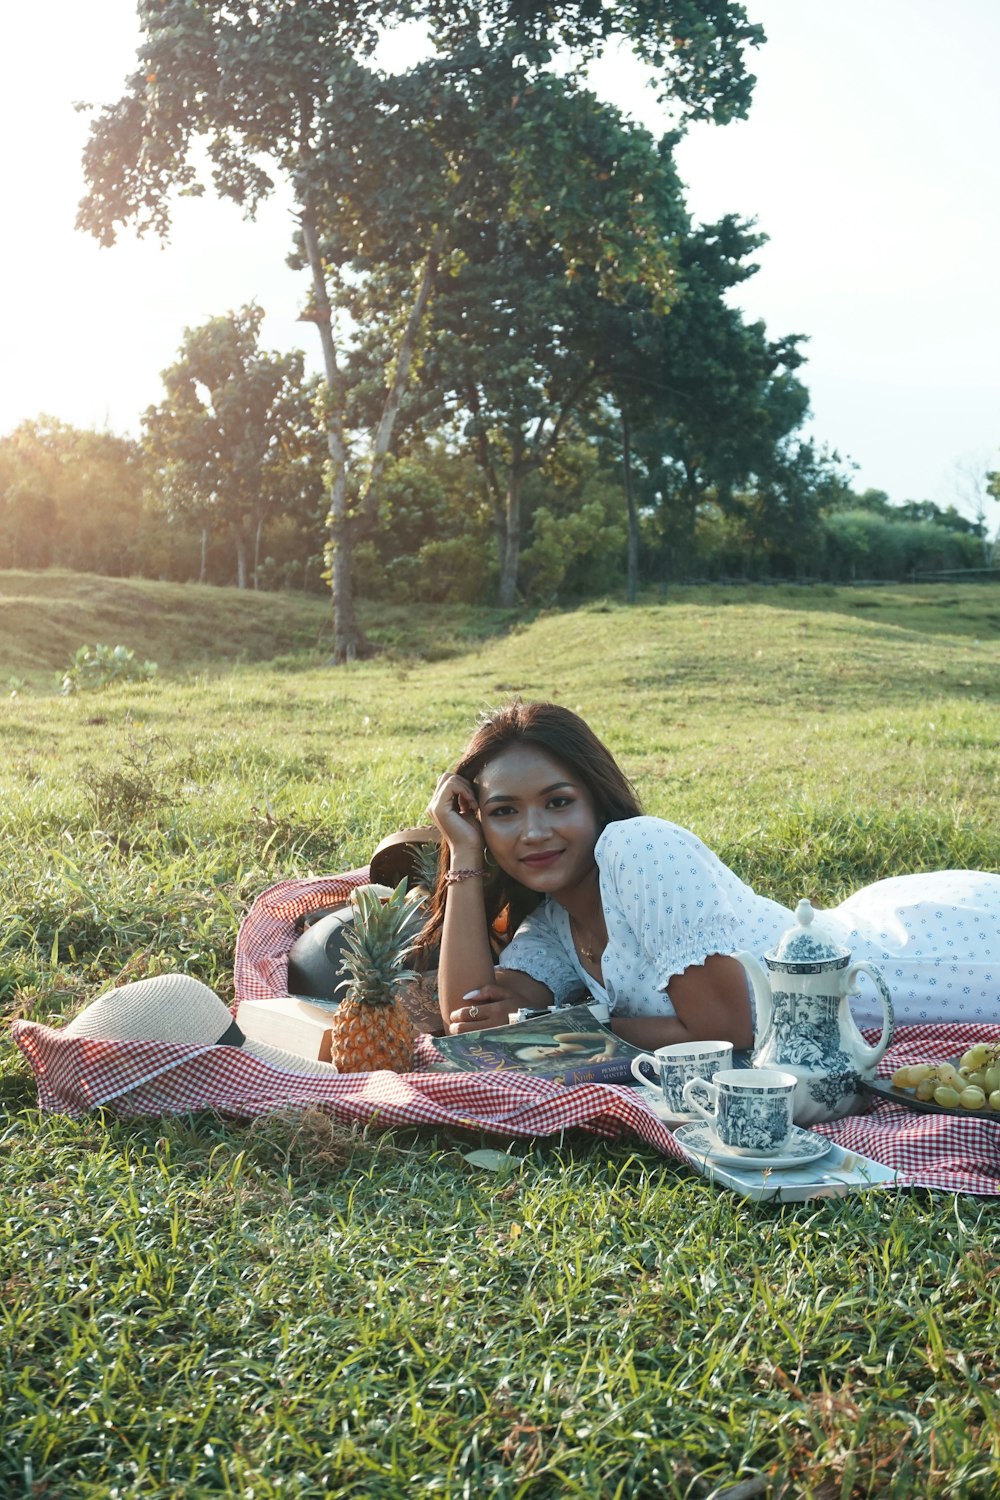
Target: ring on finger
x,y
473,1012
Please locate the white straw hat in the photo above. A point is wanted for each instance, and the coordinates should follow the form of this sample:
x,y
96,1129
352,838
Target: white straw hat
x,y
179,1008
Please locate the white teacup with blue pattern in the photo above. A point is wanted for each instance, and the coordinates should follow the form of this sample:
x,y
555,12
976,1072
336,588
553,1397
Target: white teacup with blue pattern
x,y
751,1107
676,1065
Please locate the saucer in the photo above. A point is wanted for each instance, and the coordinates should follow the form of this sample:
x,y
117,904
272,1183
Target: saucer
x,y
662,1109
801,1148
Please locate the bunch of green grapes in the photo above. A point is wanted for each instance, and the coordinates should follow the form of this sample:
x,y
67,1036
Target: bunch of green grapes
x,y
972,1083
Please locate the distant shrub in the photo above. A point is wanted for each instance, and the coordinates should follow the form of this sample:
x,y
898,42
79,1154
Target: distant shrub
x,y
457,570
561,540
95,667
861,544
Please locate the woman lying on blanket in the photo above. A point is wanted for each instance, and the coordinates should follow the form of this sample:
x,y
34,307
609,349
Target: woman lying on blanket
x,y
597,897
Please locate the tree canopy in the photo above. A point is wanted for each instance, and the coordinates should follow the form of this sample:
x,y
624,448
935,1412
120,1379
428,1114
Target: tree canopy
x,y
235,439
382,168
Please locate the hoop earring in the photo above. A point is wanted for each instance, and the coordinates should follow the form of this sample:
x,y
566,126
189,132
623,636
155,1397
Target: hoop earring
x,y
489,861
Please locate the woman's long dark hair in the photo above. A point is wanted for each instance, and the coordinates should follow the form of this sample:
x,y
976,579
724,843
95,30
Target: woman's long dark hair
x,y
563,735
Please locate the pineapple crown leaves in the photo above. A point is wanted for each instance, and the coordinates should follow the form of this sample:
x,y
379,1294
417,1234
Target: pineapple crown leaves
x,y
426,859
378,943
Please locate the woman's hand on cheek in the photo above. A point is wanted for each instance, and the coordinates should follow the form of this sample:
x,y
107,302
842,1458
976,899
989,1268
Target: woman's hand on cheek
x,y
455,810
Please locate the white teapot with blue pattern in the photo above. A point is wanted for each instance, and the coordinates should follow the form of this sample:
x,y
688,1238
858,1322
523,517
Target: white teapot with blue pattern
x,y
804,1022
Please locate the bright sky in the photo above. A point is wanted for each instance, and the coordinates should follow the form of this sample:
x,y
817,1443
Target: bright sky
x,y
871,158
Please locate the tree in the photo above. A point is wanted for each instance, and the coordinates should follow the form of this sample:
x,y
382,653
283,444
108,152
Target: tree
x,y
379,167
576,526
236,440
876,501
432,541
514,347
70,498
782,508
706,401
950,518
866,543
974,491
649,363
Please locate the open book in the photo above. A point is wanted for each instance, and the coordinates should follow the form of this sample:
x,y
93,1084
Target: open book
x,y
567,1045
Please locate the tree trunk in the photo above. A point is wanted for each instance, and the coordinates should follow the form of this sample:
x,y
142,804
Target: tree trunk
x,y
203,567
692,496
241,558
347,637
256,552
368,506
510,542
632,565
349,640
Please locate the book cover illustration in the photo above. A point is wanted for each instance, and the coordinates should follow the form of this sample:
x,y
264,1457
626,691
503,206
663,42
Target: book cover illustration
x,y
568,1046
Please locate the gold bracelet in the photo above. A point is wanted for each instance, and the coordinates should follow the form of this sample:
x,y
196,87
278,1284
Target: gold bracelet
x,y
452,877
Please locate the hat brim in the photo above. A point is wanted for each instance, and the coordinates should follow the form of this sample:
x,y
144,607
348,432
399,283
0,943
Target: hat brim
x,y
173,1008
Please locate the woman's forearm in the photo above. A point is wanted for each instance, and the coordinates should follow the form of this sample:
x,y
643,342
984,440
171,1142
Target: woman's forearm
x,y
711,1002
466,961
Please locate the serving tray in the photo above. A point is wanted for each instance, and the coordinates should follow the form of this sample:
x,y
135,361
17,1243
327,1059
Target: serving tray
x,y
838,1173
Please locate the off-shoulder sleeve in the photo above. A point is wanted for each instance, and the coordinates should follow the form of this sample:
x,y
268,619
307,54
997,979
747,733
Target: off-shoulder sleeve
x,y
536,950
666,892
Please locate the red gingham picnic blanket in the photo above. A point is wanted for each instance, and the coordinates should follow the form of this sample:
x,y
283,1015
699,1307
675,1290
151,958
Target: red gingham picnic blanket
x,y
268,930
142,1079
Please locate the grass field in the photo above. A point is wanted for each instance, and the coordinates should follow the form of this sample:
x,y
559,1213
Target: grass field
x,y
200,1307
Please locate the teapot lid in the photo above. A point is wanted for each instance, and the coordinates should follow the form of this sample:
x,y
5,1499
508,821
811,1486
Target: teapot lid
x,y
801,944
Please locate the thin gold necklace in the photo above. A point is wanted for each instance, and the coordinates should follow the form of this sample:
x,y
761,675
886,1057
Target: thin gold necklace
x,y
588,953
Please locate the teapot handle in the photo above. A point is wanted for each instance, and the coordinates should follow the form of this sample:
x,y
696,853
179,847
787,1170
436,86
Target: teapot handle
x,y
869,1056
761,993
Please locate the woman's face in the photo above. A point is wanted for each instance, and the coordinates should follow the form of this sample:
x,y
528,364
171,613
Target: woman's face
x,y
538,820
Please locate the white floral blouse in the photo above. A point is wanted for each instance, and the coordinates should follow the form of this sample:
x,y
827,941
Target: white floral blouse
x,y
669,902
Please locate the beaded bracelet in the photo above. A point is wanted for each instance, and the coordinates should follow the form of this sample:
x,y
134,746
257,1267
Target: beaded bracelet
x,y
452,877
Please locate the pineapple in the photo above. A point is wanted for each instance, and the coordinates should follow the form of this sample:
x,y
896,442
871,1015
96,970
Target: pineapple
x,y
370,1028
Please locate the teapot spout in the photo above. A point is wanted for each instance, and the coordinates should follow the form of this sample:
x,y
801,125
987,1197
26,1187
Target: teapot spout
x,y
761,990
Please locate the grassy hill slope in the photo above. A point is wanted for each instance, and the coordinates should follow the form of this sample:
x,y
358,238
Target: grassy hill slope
x,y
44,617
185,628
